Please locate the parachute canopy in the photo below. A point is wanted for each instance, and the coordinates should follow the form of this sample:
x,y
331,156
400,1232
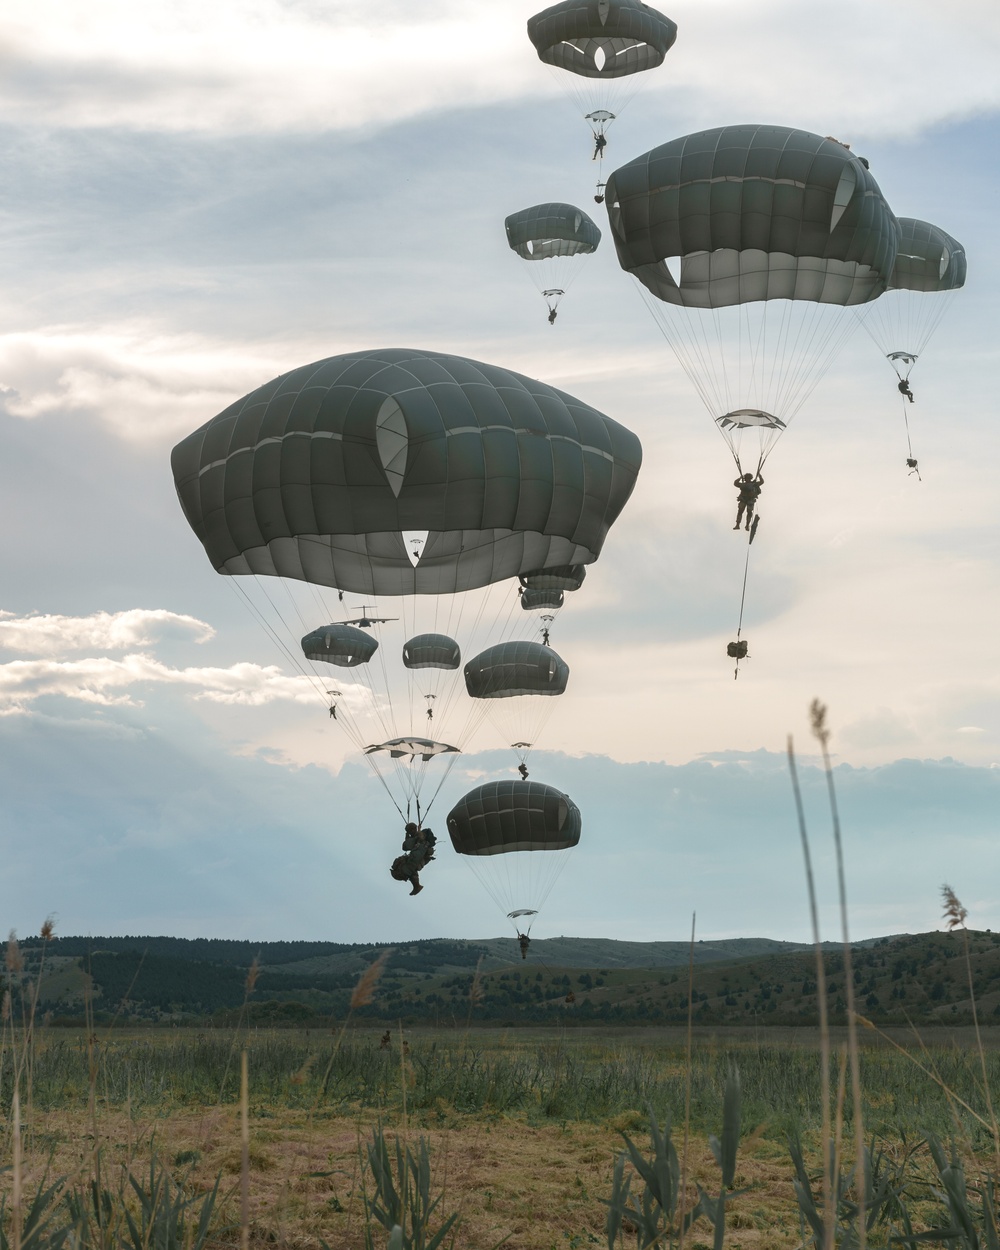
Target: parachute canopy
x,y
930,267
540,600
551,230
744,213
343,645
321,474
602,38
928,259
431,651
501,817
516,668
568,577
412,748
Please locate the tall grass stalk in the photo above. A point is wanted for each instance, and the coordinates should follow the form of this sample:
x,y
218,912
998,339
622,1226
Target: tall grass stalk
x,y
249,985
687,1082
821,1003
15,1200
244,1152
821,731
955,916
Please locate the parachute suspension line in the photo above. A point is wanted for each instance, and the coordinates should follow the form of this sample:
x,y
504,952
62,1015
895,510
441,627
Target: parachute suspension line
x,y
743,594
743,599
448,766
906,424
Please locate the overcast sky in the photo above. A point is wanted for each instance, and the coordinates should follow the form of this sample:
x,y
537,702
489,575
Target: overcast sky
x,y
197,199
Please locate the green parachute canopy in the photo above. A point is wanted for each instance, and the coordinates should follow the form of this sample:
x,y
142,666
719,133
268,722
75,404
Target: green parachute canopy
x,y
342,645
508,817
516,668
431,651
748,243
930,268
602,38
746,213
323,475
928,259
549,231
516,836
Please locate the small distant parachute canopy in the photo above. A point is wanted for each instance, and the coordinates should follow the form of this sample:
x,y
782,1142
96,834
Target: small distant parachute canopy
x,y
750,213
930,268
431,651
928,259
503,817
343,645
541,600
412,748
602,38
521,911
555,238
562,577
510,669
549,230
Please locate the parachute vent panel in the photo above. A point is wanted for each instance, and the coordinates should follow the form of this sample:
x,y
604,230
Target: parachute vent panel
x,y
500,817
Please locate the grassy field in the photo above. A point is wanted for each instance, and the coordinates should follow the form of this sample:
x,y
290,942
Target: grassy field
x,y
523,1126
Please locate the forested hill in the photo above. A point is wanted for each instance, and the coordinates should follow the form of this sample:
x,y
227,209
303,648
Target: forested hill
x,y
922,978
429,955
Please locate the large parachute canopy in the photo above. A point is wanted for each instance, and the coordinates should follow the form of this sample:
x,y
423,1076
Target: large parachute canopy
x,y
425,477
555,239
516,836
749,242
324,473
930,267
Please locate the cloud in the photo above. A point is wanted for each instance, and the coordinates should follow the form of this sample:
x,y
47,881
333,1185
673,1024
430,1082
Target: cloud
x,y
109,682
142,383
273,66
51,635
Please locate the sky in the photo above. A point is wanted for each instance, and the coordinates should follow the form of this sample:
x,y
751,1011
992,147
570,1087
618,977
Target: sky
x,y
196,200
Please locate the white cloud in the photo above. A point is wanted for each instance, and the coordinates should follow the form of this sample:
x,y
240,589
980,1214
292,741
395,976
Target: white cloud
x,y
50,635
141,383
262,65
110,682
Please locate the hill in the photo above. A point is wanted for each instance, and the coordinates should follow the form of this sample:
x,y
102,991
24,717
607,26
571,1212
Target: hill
x,y
920,978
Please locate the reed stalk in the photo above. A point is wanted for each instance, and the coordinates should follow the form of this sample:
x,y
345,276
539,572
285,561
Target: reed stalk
x,y
821,731
829,1215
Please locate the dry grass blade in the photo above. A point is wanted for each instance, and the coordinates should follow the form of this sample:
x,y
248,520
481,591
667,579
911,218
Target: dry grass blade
x,y
821,1003
821,731
364,992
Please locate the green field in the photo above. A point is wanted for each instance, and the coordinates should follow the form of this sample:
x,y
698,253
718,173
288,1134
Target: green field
x,y
522,1126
